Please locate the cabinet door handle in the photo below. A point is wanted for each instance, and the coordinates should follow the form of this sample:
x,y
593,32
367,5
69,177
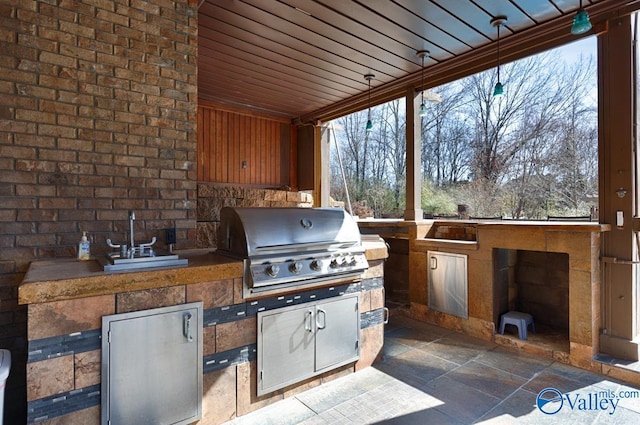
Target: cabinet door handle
x,y
324,319
434,263
308,321
186,326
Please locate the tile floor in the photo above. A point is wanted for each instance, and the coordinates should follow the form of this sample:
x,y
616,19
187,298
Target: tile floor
x,y
432,375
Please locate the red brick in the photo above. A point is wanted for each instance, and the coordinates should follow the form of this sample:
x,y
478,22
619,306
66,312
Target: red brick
x,y
96,113
34,141
76,145
111,193
17,152
35,190
111,170
78,52
56,59
77,6
57,155
34,240
77,29
148,173
56,12
94,89
17,177
57,83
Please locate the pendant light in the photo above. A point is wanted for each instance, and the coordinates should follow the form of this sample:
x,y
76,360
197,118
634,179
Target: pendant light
x,y
423,108
497,22
369,77
581,22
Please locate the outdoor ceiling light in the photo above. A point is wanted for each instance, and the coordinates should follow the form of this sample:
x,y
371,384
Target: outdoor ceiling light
x,y
581,22
497,22
369,77
423,108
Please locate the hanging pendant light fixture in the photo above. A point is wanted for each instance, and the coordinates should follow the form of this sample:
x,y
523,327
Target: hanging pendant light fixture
x,y
581,22
497,22
422,111
369,77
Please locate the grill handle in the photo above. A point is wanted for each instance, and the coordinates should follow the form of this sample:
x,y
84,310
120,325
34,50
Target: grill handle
x,y
308,321
324,319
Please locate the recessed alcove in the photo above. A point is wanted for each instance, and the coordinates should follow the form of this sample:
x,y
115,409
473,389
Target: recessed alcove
x,y
537,283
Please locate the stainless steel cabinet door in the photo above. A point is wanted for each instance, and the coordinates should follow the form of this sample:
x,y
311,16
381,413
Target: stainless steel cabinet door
x,y
298,342
285,347
337,335
152,366
448,283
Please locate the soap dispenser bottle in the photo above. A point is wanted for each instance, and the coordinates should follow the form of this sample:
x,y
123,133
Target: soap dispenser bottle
x,y
84,251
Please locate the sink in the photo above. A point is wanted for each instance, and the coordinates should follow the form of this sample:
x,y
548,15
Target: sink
x,y
113,261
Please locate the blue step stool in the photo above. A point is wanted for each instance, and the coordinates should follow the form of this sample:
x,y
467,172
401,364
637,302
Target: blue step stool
x,y
521,320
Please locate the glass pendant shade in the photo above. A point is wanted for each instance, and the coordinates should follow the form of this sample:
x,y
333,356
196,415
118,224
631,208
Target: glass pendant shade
x,y
369,126
581,22
422,111
498,90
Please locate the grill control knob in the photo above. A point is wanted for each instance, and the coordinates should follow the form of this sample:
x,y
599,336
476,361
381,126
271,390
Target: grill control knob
x,y
315,265
353,261
334,264
273,270
295,267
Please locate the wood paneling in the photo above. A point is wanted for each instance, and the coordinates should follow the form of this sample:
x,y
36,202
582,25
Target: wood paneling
x,y
229,139
305,60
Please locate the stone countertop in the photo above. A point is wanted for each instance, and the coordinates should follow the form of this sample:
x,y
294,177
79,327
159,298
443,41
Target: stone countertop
x,y
63,279
67,278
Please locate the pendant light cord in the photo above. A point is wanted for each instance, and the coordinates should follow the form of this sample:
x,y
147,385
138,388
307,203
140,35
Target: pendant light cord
x,y
499,25
422,83
369,100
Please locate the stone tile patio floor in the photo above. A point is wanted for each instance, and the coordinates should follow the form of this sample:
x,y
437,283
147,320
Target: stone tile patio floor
x,y
431,375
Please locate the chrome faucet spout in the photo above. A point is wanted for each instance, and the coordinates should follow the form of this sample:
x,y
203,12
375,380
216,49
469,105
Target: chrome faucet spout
x,y
132,217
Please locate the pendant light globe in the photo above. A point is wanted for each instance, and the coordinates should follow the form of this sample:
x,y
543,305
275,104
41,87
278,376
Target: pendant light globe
x,y
369,125
581,22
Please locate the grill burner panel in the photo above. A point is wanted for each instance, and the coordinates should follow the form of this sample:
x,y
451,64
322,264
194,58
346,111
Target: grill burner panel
x,y
285,247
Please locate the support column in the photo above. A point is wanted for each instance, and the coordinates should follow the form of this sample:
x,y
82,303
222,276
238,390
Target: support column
x,y
413,209
617,190
321,171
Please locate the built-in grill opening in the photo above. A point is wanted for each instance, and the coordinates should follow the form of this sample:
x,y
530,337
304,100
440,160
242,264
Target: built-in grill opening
x,y
284,248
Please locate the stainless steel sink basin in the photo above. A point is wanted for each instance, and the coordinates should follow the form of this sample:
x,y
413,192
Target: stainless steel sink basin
x,y
115,262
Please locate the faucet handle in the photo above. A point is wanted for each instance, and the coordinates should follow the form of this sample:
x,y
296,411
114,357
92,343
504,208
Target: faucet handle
x,y
112,245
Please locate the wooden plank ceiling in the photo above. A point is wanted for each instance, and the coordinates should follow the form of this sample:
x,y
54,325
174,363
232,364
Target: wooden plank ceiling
x,y
289,58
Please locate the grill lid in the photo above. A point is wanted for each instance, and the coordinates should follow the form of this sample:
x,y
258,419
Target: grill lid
x,y
257,232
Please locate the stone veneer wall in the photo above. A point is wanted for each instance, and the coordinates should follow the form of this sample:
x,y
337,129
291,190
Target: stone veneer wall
x,y
64,367
212,197
98,116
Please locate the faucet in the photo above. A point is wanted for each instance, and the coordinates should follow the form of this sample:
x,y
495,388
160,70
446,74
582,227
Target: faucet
x,y
132,217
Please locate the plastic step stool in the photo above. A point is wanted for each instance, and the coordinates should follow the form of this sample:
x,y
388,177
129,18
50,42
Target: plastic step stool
x,y
518,319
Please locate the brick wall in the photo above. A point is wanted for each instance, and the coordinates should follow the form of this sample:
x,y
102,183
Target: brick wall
x,y
98,106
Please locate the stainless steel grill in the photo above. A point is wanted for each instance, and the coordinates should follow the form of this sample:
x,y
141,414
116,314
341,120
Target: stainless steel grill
x,y
285,247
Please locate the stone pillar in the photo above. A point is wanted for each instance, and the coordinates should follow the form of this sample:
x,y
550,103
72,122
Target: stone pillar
x,y
617,190
413,209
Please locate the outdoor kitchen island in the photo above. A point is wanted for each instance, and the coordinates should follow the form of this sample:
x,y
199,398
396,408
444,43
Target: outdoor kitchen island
x,y
465,274
67,299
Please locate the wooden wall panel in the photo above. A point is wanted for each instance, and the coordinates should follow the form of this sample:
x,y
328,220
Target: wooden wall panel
x,y
228,139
